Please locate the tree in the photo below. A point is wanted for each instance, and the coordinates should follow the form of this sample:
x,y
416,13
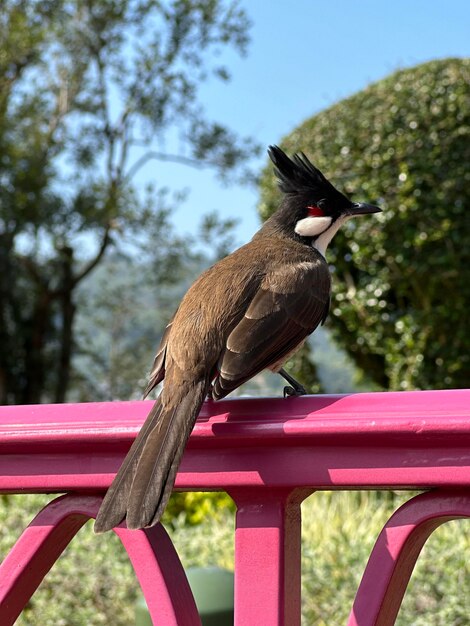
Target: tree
x,y
89,93
402,279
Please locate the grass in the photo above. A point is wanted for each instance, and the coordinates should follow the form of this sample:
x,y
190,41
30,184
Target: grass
x,y
93,583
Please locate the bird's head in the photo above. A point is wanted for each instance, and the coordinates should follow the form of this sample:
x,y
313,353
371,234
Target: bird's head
x,y
313,210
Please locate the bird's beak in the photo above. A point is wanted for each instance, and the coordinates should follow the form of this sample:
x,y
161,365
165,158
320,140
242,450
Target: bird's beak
x,y
361,208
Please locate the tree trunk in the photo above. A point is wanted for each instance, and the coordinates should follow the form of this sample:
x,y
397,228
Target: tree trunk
x,y
9,344
66,335
35,366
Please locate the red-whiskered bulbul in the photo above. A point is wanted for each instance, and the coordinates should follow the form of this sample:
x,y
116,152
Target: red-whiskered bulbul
x,y
250,311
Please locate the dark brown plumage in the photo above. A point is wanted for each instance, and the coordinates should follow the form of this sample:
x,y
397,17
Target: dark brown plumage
x,y
248,312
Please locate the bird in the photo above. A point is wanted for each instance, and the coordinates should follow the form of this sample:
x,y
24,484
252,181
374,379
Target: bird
x,y
250,311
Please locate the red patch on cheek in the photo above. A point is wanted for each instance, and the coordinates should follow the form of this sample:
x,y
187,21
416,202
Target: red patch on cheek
x,y
315,211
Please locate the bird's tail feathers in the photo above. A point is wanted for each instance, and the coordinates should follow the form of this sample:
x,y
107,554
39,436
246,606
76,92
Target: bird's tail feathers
x,y
114,506
159,461
143,485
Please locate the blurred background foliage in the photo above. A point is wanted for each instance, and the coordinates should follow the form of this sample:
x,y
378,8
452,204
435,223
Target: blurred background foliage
x,y
91,267
90,92
401,286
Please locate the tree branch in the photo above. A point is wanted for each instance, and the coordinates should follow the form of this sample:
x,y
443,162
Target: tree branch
x,y
94,262
123,125
172,158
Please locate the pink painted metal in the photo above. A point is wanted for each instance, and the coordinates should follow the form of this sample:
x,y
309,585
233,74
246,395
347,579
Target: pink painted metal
x,y
395,553
268,454
414,439
267,556
151,552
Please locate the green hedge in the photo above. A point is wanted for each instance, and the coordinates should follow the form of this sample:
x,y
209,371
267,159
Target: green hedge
x,y
402,278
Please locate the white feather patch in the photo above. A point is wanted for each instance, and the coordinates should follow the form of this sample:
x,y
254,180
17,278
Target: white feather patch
x,y
312,226
321,242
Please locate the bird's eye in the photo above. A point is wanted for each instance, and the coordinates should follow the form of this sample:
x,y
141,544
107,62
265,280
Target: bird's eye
x,y
315,211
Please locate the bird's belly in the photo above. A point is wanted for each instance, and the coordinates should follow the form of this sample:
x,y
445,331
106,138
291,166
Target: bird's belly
x,y
276,366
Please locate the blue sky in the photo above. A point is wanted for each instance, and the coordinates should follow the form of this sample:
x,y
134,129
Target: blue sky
x,y
304,56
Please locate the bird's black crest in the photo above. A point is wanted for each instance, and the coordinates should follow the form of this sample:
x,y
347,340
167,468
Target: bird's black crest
x,y
298,175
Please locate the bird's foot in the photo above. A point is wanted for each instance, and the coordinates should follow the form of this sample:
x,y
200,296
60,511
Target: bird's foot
x,y
292,392
294,388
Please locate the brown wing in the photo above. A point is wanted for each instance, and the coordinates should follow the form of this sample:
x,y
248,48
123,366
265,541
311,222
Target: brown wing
x,y
288,306
158,369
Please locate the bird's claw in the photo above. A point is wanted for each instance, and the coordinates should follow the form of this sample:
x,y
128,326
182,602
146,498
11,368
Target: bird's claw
x,y
290,392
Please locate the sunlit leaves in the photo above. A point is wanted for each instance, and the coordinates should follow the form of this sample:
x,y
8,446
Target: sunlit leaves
x,y
402,143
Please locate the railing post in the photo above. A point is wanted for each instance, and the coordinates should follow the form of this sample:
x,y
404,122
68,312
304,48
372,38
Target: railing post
x,y
396,550
267,556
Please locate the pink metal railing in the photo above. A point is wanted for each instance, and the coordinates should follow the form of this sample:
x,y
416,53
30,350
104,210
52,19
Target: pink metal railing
x,y
269,454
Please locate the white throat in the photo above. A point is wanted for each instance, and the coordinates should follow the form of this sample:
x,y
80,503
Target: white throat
x,y
321,228
321,242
